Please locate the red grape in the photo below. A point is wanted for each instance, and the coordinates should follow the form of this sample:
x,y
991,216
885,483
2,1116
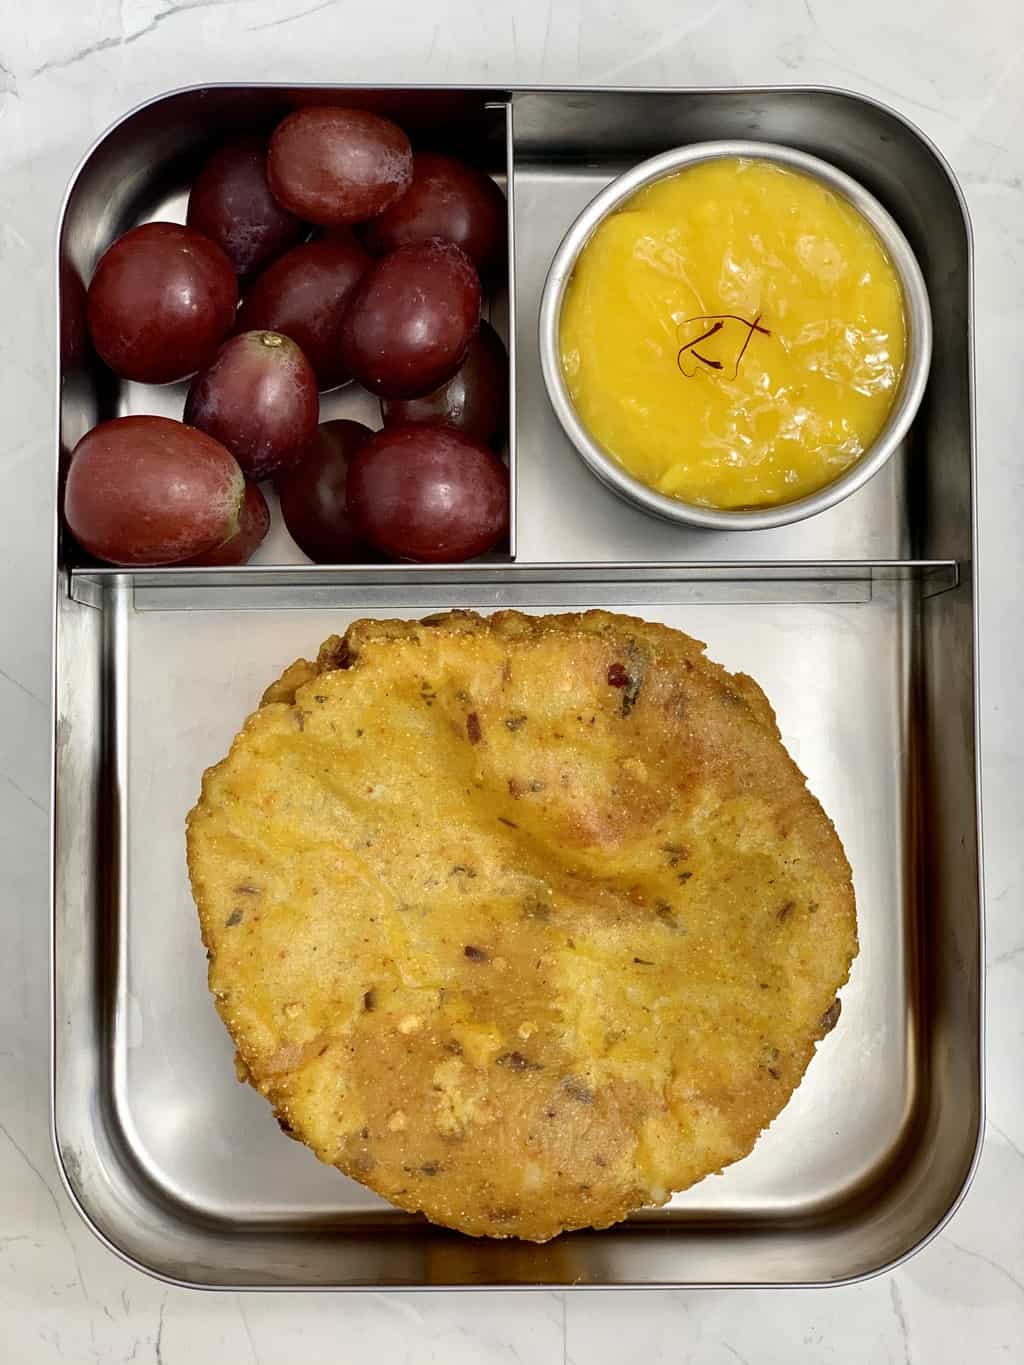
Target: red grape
x,y
303,295
446,199
312,494
231,203
428,493
475,399
148,490
332,166
253,525
260,399
411,318
161,301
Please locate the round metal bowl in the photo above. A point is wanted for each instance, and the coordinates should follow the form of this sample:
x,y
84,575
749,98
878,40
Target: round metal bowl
x,y
908,396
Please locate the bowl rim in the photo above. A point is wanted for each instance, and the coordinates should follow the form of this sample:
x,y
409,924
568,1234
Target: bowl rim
x,y
916,307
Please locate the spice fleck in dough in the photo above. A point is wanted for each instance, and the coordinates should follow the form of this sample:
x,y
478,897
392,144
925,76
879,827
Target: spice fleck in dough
x,y
530,921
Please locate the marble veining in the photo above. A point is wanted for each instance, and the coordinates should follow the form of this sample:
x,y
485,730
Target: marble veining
x,y
66,71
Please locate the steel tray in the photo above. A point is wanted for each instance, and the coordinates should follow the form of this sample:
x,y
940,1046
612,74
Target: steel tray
x,y
858,622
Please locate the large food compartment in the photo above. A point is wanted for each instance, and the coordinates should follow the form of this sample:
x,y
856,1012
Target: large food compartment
x,y
186,1171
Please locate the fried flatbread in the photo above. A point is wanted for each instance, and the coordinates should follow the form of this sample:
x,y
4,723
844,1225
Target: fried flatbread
x,y
524,922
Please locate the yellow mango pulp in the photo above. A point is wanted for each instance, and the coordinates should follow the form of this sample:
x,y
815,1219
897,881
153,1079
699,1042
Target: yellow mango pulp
x,y
735,335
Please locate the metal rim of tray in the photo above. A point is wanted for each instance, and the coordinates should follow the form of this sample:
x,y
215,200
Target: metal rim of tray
x,y
62,585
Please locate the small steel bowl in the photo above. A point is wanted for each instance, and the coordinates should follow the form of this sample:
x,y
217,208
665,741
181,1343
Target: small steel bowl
x,y
908,396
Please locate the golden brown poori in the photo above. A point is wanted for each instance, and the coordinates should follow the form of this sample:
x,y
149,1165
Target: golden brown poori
x,y
524,922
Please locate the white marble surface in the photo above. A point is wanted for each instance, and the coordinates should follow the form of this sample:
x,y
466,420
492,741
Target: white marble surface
x,y
66,70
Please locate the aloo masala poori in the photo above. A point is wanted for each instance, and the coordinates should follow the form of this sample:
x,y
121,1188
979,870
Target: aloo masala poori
x,y
524,922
